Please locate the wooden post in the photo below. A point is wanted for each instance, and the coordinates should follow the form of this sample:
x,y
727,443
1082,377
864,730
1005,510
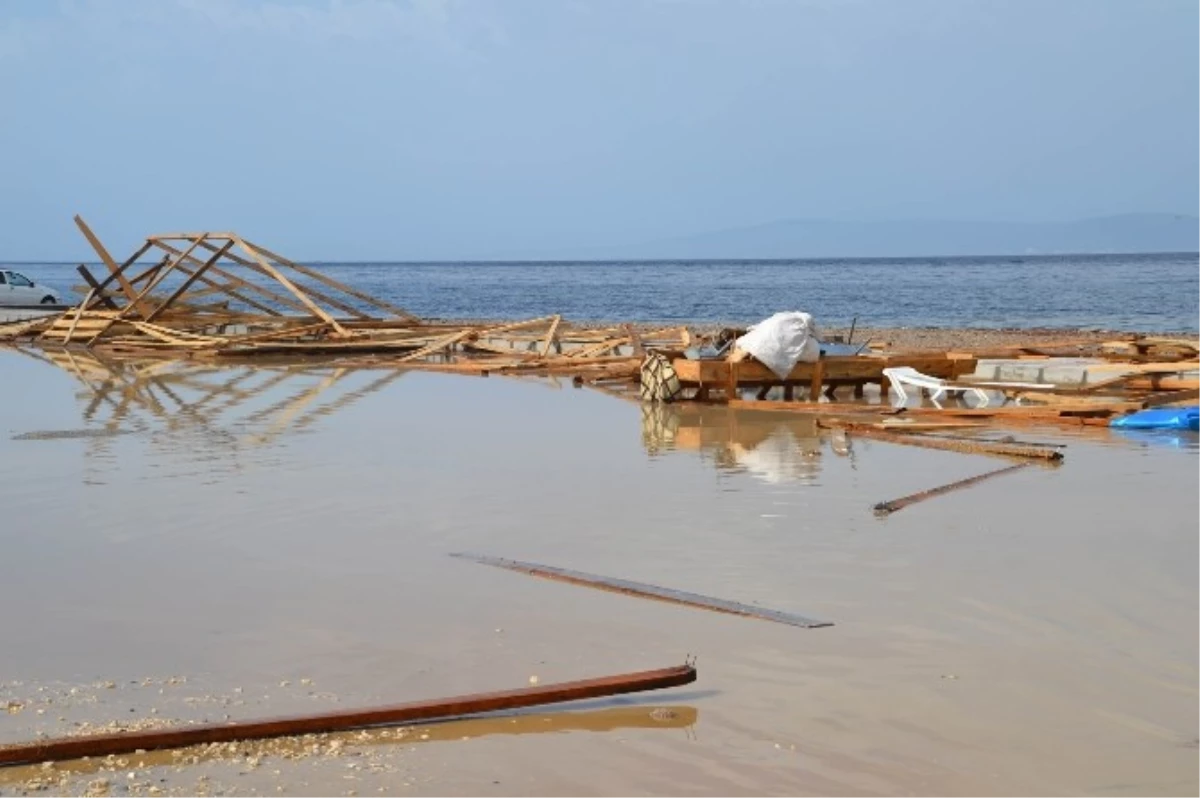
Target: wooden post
x,y
818,378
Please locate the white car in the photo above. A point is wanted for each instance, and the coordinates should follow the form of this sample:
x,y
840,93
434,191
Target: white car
x,y
17,289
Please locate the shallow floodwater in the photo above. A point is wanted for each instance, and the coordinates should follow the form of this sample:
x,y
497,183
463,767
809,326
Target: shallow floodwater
x,y
183,542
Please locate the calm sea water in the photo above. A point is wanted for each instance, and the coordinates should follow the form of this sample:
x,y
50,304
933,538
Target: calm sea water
x,y
1152,292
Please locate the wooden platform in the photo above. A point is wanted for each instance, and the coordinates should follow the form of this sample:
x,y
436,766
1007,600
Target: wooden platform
x,y
826,375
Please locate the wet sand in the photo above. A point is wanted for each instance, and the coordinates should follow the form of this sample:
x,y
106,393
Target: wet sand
x,y
265,542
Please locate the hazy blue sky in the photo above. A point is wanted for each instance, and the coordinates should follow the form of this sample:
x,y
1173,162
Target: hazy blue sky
x,y
379,129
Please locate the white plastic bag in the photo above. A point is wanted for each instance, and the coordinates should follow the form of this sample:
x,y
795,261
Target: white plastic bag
x,y
782,341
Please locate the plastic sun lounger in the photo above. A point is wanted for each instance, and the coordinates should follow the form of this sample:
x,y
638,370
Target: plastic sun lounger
x,y
906,375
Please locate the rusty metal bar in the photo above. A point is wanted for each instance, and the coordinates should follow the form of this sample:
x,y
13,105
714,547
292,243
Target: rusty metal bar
x,y
439,709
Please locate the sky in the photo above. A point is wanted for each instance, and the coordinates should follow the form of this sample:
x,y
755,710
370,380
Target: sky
x,y
427,129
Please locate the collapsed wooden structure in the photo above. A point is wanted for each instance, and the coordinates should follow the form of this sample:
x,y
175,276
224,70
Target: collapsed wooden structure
x,y
218,297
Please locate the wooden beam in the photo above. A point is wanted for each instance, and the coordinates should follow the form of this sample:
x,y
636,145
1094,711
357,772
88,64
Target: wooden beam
x,y
550,336
95,287
191,278
884,509
290,286
954,444
644,591
238,282
159,276
332,283
114,276
333,302
113,269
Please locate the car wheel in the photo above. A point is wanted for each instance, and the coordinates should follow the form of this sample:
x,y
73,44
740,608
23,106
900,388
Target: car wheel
x,y
49,300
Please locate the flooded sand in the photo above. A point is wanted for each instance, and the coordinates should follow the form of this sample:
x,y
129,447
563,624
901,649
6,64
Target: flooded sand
x,y
257,542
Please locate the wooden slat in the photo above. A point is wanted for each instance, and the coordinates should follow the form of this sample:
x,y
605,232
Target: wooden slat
x,y
238,282
550,336
290,286
191,278
884,509
332,283
641,590
117,272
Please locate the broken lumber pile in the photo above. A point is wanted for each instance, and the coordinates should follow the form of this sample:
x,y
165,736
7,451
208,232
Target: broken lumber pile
x,y
219,296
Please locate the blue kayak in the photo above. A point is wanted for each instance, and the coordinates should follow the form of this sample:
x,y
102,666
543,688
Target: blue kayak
x,y
1161,418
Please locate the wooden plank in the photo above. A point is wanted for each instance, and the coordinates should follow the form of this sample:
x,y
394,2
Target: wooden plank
x,y
332,283
884,509
159,275
1170,397
956,444
641,590
128,742
234,280
117,272
290,286
436,346
94,285
333,302
836,367
550,336
191,278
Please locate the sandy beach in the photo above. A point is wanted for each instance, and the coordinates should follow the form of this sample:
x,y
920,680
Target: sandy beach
x,y
235,542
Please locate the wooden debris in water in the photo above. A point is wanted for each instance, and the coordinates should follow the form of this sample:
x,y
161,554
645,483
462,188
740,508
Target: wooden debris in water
x,y
884,509
642,590
964,445
51,750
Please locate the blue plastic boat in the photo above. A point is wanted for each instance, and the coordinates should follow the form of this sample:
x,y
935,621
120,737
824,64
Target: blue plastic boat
x,y
1161,418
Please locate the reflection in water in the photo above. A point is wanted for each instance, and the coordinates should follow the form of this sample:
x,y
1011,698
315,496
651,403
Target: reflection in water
x,y
202,411
665,716
771,447
1167,438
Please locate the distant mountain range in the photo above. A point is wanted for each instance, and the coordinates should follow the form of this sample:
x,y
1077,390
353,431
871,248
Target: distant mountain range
x,y
818,238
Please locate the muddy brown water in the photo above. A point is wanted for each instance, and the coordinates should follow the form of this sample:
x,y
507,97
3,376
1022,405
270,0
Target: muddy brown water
x,y
272,541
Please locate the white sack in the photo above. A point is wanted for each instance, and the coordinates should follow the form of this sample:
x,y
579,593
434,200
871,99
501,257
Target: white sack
x,y
782,341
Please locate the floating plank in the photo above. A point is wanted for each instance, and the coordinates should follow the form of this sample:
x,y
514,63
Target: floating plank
x,y
644,591
884,509
54,750
956,444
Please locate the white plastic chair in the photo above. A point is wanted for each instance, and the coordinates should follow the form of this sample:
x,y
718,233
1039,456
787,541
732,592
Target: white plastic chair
x,y
907,375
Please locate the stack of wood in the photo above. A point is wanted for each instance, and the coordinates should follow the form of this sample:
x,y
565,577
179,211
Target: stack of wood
x,y
220,296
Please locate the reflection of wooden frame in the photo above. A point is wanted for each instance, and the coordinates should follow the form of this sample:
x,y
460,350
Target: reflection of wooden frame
x,y
176,395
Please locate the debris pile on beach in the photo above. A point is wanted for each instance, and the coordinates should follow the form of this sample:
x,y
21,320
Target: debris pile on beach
x,y
218,297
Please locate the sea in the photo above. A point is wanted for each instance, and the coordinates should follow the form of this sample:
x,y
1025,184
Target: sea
x,y
1142,292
